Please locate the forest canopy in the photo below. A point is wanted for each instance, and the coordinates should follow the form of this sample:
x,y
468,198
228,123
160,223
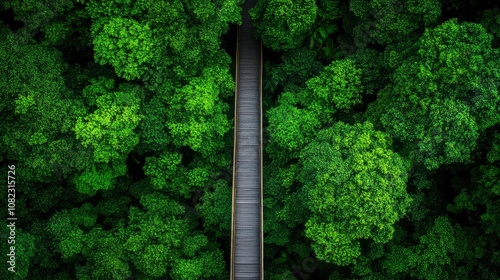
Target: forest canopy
x,y
117,119
381,127
383,120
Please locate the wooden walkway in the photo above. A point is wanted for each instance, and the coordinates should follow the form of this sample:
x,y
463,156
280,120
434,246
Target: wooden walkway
x,y
247,234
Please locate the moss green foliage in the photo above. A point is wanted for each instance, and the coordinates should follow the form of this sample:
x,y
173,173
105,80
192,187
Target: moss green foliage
x,y
284,24
386,21
382,137
110,128
126,45
444,95
354,187
383,162
161,243
117,117
337,88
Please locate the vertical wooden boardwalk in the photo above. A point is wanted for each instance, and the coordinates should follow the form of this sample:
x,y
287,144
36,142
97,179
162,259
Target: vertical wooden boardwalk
x,y
247,235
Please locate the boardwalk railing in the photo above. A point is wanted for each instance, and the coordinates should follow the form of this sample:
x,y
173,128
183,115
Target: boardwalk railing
x,y
235,152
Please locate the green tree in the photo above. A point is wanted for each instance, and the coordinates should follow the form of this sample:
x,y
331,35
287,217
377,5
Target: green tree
x,y
297,66
38,109
109,132
125,44
387,21
24,244
215,209
106,256
162,243
110,128
187,32
38,14
290,127
299,115
337,88
197,116
284,24
68,235
355,188
428,259
443,96
167,173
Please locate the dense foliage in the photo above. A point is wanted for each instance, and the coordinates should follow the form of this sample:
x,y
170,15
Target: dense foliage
x,y
382,144
382,157
116,115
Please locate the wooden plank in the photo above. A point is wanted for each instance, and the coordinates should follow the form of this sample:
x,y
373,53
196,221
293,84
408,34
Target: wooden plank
x,y
246,261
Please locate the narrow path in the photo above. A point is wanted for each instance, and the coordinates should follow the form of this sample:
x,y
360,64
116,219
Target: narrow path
x,y
247,243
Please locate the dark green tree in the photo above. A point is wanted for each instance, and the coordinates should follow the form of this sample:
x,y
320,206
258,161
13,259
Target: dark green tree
x,y
284,24
443,96
355,188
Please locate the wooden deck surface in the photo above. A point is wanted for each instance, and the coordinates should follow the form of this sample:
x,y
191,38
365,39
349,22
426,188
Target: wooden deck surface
x,y
247,235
